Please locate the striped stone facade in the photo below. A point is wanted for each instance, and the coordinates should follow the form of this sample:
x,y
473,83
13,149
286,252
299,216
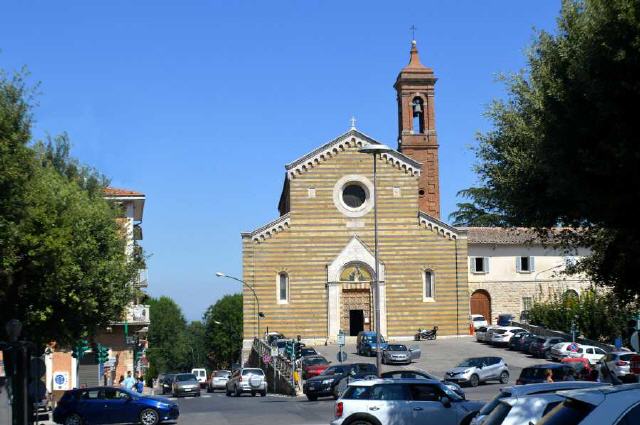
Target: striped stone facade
x,y
316,238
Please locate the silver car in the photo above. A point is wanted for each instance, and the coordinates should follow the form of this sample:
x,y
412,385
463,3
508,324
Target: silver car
x,y
185,384
619,363
399,353
218,380
247,380
474,370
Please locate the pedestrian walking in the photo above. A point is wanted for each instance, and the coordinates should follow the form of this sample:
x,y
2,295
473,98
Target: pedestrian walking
x,y
139,385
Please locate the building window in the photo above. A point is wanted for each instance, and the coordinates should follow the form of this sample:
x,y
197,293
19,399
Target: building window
x,y
283,288
354,195
480,264
418,116
527,303
524,264
429,286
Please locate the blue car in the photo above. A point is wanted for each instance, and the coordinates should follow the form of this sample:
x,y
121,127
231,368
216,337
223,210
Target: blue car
x,y
366,343
108,405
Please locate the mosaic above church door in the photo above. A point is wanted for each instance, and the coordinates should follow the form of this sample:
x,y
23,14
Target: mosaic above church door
x,y
356,314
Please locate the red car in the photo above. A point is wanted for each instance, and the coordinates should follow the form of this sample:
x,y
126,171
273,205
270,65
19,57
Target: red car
x,y
313,366
582,367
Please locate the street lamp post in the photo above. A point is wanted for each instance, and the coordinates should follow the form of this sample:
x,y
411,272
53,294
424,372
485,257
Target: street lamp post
x,y
376,150
260,313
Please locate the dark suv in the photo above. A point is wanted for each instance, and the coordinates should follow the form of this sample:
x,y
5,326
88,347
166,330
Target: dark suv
x,y
335,379
537,374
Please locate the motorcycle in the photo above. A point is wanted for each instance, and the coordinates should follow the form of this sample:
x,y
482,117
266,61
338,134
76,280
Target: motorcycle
x,y
427,334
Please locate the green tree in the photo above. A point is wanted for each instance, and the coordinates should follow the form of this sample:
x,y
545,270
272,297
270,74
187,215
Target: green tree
x,y
563,150
63,267
196,340
168,343
223,322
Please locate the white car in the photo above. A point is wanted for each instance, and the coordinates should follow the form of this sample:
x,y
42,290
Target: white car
x,y
518,391
478,321
481,333
201,376
589,352
489,333
561,350
503,334
402,402
524,410
619,363
617,404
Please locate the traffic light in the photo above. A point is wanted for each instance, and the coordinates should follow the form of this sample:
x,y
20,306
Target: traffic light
x,y
80,348
297,350
289,349
138,350
102,354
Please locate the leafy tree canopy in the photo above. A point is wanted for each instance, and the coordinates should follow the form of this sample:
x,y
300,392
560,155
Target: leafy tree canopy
x,y
63,267
168,343
563,150
223,322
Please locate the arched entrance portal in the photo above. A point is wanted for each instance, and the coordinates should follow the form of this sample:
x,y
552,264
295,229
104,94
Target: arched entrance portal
x,y
481,304
356,313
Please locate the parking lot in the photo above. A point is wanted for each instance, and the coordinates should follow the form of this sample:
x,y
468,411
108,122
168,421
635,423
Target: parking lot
x,y
444,353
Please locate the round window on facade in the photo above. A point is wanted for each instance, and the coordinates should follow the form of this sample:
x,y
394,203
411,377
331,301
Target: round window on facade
x,y
354,195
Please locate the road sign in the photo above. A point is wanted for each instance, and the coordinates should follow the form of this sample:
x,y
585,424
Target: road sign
x,y
266,359
342,356
341,338
634,341
61,380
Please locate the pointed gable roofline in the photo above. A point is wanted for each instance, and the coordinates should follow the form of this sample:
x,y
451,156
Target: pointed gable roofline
x,y
440,227
350,138
268,230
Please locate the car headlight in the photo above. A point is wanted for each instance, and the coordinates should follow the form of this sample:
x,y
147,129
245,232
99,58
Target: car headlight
x,y
327,381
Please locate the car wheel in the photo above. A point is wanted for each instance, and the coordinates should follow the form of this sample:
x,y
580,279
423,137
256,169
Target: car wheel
x,y
312,397
547,355
504,377
238,392
149,417
263,394
360,422
474,380
228,392
73,419
198,394
253,393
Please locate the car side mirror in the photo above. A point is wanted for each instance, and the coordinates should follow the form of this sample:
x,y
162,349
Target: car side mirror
x,y
446,401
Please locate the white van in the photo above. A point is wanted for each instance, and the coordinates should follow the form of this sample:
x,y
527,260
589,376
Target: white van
x,y
201,376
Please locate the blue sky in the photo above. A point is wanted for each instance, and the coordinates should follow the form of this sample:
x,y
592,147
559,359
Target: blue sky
x,y
199,104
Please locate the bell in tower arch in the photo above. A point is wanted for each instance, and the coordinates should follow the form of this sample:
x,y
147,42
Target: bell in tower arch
x,y
417,106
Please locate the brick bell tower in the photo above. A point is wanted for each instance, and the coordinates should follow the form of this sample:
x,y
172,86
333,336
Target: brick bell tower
x,y
417,128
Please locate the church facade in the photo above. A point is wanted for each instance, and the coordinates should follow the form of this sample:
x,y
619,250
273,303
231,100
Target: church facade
x,y
312,271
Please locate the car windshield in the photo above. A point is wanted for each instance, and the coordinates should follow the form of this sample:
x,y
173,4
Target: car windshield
x,y
222,374
472,363
498,414
315,361
626,357
533,372
569,412
488,408
333,370
246,372
372,339
478,319
185,377
499,331
397,347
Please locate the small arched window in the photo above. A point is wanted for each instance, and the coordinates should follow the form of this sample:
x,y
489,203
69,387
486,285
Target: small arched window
x,y
429,285
417,107
283,288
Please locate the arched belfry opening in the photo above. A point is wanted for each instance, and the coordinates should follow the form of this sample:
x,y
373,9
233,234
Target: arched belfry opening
x,y
417,107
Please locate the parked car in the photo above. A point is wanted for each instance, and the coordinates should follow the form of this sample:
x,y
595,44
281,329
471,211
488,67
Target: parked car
x,y
165,382
272,337
489,334
616,404
308,351
518,391
480,333
108,405
541,347
504,319
562,349
247,380
478,320
313,366
402,401
502,335
366,343
527,341
475,370
583,370
516,340
400,354
185,384
618,363
537,374
590,352
524,410
281,344
201,375
334,380
218,380
418,374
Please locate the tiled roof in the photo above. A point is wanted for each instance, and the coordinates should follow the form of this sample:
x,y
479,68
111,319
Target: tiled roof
x,y
114,191
501,235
